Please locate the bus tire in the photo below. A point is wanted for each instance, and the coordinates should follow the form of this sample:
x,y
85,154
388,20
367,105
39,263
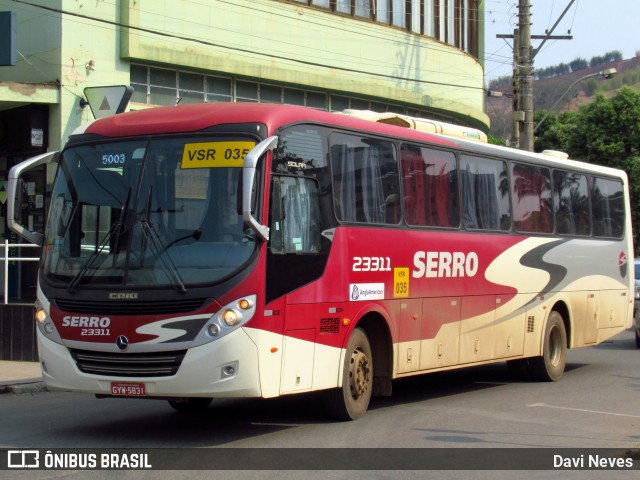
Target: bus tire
x,y
191,405
637,338
549,367
351,401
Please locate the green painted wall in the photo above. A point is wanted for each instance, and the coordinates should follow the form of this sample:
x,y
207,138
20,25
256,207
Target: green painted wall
x,y
55,47
299,45
268,40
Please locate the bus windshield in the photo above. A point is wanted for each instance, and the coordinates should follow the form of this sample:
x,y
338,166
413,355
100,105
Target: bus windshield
x,y
152,212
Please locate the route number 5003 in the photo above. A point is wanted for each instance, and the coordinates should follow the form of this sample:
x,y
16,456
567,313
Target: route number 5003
x,y
371,264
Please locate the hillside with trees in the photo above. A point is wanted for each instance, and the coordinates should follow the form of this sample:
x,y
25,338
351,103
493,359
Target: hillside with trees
x,y
597,121
551,83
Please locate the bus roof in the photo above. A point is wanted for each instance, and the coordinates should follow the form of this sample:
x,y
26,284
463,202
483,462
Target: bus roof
x,y
200,116
195,117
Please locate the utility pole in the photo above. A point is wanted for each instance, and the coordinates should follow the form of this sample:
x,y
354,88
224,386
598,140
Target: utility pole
x,y
523,55
516,116
525,76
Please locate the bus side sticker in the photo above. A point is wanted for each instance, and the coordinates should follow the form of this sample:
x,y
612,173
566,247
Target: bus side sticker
x,y
360,292
401,282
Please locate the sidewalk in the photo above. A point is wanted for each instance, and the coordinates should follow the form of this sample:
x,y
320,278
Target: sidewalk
x,y
20,377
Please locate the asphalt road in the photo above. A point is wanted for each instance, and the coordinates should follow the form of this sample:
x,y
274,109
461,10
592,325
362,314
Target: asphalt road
x,y
595,405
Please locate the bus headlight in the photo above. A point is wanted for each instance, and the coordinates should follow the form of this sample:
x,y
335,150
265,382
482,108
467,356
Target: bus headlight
x,y
41,320
41,316
245,304
45,324
238,311
230,317
213,330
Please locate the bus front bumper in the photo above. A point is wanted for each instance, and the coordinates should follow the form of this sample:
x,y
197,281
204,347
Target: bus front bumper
x,y
227,367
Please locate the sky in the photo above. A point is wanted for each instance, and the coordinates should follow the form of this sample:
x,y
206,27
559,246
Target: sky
x,y
597,26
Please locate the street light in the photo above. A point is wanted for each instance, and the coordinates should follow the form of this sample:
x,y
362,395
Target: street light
x,y
607,74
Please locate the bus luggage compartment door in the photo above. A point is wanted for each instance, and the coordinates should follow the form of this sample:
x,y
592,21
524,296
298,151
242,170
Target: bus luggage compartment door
x,y
299,353
410,330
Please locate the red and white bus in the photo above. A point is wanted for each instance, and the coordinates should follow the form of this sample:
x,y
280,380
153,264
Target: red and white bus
x,y
254,250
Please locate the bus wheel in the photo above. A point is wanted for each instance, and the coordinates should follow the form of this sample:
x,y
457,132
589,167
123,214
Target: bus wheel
x,y
550,366
637,338
352,399
191,405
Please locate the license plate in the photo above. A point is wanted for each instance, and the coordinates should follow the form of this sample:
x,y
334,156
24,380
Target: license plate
x,y
128,389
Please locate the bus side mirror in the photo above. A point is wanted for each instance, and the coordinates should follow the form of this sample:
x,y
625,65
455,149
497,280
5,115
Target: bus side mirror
x,y
248,179
240,195
15,195
18,200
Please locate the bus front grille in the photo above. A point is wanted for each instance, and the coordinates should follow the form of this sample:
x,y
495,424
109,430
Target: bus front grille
x,y
156,364
155,307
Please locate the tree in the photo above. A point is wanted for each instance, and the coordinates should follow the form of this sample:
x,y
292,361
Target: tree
x,y
605,132
554,132
590,87
493,140
608,130
578,64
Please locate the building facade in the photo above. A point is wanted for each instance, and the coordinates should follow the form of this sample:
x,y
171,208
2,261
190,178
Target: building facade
x,y
415,57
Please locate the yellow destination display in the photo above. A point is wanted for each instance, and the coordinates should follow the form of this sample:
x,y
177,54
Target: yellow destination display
x,y
215,154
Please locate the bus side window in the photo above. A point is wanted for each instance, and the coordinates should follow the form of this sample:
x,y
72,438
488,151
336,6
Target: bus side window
x,y
485,193
607,200
571,203
531,188
365,180
430,184
295,216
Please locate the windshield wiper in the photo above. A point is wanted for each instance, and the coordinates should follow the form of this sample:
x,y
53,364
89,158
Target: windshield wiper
x,y
120,221
196,234
159,247
118,228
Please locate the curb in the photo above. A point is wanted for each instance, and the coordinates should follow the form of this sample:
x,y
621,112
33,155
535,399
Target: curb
x,y
23,388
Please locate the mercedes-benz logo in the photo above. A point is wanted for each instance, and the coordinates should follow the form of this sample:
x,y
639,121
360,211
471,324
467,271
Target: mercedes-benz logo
x,y
122,342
